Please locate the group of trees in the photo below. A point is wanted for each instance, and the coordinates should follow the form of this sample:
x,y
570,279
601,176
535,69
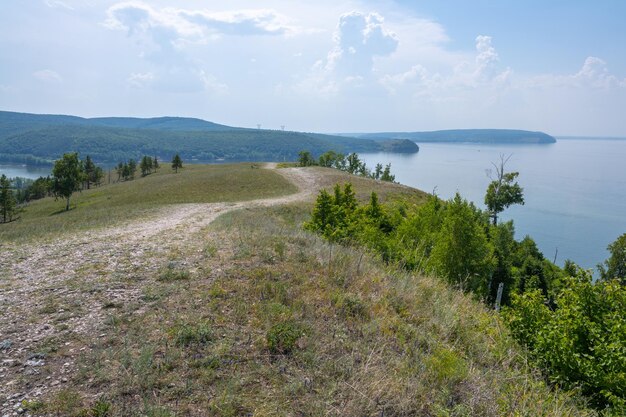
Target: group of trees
x,y
69,174
574,327
350,163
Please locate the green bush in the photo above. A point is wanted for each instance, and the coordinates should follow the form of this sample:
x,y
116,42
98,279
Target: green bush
x,y
282,337
581,343
192,334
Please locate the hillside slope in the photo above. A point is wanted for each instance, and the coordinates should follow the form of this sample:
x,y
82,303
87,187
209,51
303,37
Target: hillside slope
x,y
35,138
177,311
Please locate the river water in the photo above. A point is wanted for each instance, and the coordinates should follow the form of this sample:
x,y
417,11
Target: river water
x,y
575,189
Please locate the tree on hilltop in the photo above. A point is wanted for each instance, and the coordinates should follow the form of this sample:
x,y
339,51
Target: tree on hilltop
x,y
67,177
177,163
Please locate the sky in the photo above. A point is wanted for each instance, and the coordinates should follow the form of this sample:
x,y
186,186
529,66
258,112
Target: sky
x,y
326,65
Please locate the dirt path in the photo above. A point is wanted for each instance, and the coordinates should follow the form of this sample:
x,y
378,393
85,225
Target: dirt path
x,y
54,296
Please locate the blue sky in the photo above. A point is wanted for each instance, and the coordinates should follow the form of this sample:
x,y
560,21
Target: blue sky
x,y
329,65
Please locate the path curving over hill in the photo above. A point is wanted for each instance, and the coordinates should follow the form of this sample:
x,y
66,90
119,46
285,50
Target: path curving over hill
x,y
54,296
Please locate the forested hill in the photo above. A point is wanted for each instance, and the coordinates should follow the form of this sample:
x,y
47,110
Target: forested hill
x,y
33,138
463,135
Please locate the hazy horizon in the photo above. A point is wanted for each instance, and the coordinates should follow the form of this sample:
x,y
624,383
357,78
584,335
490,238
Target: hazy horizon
x,y
347,66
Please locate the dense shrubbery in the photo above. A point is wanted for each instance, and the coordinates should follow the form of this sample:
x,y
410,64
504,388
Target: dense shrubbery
x,y
574,328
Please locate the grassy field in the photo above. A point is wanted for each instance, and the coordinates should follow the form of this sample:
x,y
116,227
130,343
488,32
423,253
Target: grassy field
x,y
124,201
268,320
253,316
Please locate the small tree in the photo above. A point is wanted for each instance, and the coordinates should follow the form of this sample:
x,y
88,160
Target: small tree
x,y
155,163
7,200
615,266
503,191
132,168
305,159
145,165
89,168
67,176
177,163
386,175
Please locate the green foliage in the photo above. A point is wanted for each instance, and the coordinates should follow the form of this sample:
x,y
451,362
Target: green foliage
x,y
177,163
67,177
461,252
305,159
582,343
283,337
503,191
7,200
615,266
186,335
575,329
147,165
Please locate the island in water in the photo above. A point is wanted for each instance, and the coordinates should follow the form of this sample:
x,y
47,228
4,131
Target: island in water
x,y
462,136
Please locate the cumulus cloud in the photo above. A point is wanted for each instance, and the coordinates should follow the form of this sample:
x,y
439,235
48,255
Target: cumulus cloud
x,y
481,73
594,73
47,75
486,58
358,39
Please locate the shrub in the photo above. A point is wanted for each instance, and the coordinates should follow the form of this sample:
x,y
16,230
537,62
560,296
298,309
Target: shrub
x,y
282,337
187,334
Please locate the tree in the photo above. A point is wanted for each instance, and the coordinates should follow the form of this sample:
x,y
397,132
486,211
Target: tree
x,y
615,266
146,165
177,163
155,163
387,176
503,191
67,176
7,200
305,159
461,253
119,169
132,168
89,168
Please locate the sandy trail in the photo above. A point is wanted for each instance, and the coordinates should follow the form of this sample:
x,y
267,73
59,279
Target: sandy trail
x,y
53,293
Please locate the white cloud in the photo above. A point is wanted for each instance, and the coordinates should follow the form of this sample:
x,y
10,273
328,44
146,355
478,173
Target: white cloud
x,y
181,25
54,4
359,38
47,75
594,74
481,73
139,79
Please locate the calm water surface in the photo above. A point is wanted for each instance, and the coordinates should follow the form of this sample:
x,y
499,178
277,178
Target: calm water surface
x,y
24,171
575,189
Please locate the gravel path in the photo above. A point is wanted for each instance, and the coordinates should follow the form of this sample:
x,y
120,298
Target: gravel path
x,y
54,296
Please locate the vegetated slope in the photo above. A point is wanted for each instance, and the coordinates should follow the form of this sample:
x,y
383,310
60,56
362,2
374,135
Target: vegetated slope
x,y
40,138
465,135
248,315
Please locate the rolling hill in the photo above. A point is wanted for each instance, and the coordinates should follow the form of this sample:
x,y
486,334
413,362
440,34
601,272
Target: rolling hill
x,y
33,138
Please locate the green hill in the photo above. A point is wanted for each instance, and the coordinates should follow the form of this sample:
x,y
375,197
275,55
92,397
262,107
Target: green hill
x,y
464,135
43,138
